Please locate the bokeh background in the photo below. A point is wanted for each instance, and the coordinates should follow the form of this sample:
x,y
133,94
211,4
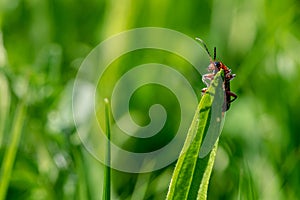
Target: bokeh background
x,y
43,43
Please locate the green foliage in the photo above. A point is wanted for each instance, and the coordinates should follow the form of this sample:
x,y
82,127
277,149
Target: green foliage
x,y
44,42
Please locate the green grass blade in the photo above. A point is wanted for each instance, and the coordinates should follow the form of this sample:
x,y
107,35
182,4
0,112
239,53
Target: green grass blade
x,y
208,166
107,172
191,174
10,154
246,188
4,105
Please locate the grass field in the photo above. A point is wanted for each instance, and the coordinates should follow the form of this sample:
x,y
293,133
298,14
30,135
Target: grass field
x,y
43,43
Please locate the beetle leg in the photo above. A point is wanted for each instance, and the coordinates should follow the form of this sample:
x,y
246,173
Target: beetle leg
x,y
208,77
231,94
203,91
229,77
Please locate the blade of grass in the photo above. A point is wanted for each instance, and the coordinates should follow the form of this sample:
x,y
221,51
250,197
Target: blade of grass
x,y
10,153
246,189
208,166
83,185
4,105
141,186
143,181
4,89
107,171
191,174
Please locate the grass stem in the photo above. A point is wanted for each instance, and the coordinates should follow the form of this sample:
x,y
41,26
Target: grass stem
x,y
10,154
107,171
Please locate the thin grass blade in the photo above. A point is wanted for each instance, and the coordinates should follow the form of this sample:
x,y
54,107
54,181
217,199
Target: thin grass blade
x,y
10,154
107,172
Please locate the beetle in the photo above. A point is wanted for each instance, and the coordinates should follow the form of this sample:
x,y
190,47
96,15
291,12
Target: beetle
x,y
214,67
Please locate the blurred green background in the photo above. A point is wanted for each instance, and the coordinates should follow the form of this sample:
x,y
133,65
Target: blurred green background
x,y
43,42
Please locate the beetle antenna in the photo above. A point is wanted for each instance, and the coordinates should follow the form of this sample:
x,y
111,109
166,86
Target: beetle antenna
x,y
215,53
205,47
